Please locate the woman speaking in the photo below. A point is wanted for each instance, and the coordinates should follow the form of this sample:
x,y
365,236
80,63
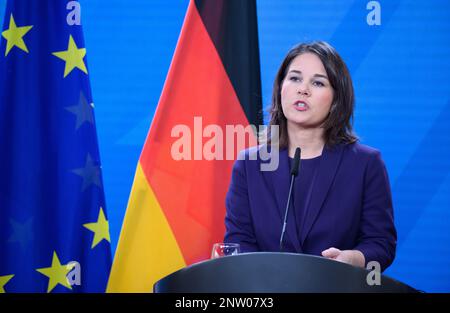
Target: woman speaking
x,y
340,203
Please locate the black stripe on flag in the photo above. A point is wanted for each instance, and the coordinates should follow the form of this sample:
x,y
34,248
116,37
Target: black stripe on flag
x,y
232,26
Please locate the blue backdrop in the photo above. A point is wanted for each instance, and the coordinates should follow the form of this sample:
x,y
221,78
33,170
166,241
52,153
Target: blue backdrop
x,y
401,72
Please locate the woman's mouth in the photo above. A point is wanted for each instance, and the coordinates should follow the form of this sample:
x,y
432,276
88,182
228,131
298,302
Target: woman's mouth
x,y
301,106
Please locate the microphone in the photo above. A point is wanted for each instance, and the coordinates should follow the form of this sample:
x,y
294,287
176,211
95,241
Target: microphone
x,y
294,173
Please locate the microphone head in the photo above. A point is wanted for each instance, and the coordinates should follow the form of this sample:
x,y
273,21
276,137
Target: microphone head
x,y
294,169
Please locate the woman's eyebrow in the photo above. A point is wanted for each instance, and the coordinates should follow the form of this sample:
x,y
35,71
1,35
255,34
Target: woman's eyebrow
x,y
321,76
315,75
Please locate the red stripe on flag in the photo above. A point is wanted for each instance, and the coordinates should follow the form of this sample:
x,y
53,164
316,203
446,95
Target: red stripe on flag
x,y
192,193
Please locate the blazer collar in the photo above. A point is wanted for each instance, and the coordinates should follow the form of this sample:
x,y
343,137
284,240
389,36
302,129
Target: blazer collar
x,y
280,180
329,163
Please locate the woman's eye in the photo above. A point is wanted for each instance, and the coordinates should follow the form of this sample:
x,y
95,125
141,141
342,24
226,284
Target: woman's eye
x,y
319,84
294,78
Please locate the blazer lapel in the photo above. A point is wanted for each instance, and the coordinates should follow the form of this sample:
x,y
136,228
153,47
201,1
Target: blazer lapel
x,y
280,180
326,172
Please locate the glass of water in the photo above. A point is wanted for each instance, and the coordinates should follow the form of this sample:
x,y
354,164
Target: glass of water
x,y
224,249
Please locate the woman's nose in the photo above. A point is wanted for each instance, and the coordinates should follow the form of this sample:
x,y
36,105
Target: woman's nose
x,y
303,90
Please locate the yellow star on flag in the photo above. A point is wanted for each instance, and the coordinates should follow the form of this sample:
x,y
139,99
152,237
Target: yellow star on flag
x,y
14,36
3,281
73,57
56,273
100,229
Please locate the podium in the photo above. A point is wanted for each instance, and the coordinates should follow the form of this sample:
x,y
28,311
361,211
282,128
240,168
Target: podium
x,y
267,272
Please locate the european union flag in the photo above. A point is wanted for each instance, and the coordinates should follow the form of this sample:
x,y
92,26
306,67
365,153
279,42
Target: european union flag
x,y
54,232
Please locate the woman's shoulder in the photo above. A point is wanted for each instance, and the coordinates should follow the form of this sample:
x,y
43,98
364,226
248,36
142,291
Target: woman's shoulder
x,y
357,153
360,150
262,151
262,157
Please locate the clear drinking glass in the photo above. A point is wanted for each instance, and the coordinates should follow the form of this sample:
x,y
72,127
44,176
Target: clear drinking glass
x,y
224,249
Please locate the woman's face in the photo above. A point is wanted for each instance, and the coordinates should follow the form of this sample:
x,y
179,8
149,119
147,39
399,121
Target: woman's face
x,y
306,93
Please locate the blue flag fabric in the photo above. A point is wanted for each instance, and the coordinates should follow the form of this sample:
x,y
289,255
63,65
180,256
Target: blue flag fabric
x,y
54,232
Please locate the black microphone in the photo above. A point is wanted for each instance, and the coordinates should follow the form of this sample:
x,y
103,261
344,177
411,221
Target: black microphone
x,y
294,173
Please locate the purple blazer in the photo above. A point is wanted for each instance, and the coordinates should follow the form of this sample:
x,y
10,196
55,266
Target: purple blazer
x,y
350,205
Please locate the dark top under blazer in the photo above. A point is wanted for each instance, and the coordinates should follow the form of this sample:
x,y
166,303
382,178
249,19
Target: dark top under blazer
x,y
350,205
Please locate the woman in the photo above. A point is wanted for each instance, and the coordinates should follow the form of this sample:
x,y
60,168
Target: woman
x,y
341,207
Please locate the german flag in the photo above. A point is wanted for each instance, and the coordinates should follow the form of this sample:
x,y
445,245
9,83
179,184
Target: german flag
x,y
176,208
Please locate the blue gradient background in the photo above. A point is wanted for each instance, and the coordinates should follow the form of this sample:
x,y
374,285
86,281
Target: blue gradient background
x,y
401,73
